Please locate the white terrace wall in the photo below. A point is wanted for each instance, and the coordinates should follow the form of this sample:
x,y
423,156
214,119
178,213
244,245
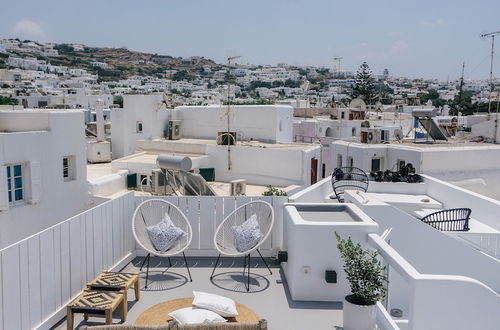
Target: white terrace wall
x,y
41,274
207,212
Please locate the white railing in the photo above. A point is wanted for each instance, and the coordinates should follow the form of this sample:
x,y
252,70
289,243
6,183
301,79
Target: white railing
x,y
488,243
205,213
41,274
384,320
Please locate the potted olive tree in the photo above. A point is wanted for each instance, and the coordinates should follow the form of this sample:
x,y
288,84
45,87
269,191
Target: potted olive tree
x,y
367,278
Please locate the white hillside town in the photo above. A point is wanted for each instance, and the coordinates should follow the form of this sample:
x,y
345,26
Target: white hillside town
x,y
151,191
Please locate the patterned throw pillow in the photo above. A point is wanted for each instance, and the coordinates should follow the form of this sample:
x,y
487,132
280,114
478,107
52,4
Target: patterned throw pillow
x,y
164,234
248,234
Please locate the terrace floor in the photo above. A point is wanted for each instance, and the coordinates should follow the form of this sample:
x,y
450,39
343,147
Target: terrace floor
x,y
268,295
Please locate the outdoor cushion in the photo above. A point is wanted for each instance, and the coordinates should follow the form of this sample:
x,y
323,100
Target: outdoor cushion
x,y
194,315
248,234
221,305
164,234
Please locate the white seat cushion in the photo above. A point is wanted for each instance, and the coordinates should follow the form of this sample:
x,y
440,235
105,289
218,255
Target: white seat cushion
x,y
221,305
194,315
248,234
164,234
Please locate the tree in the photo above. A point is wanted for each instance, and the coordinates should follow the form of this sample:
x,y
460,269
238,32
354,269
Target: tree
x,y
363,85
5,100
118,99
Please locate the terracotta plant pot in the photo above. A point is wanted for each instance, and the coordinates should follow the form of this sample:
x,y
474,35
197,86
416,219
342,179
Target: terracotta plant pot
x,y
358,317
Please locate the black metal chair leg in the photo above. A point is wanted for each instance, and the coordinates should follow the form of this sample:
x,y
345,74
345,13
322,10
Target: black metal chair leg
x,y
265,263
143,262
244,265
215,266
169,262
147,272
187,266
248,278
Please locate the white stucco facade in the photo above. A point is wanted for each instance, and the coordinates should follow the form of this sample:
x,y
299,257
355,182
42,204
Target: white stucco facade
x,y
38,141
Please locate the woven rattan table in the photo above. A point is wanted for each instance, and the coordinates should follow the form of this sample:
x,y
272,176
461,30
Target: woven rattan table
x,y
158,314
96,302
113,281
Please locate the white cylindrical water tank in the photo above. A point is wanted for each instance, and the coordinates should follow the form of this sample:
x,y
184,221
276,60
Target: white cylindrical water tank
x,y
172,162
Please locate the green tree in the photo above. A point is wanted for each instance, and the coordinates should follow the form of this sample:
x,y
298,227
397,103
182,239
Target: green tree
x,y
363,85
118,99
6,100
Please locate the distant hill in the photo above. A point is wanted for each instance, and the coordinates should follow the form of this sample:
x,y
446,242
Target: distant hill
x,y
123,63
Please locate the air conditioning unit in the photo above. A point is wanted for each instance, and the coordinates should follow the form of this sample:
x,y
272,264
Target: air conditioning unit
x,y
174,129
373,136
158,182
238,187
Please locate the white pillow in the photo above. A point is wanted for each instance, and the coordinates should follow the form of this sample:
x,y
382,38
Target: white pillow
x,y
221,305
164,234
248,234
193,315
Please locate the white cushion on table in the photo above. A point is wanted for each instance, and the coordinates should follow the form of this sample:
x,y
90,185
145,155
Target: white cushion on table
x,y
193,315
221,305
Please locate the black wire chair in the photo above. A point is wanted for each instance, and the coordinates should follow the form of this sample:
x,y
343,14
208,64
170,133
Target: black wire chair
x,y
348,178
449,220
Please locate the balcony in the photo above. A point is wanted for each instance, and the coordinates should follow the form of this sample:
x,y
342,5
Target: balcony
x,y
41,274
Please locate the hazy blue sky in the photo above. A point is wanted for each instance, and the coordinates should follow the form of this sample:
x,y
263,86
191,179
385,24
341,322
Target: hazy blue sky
x,y
410,38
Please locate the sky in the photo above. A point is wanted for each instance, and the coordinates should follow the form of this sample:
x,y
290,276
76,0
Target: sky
x,y
415,39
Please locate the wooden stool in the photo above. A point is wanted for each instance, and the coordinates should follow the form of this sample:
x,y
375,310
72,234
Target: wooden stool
x,y
96,302
113,281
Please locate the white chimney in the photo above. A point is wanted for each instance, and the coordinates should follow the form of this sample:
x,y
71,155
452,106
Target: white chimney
x,y
99,106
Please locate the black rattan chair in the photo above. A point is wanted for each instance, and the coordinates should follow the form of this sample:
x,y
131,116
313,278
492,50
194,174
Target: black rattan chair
x,y
348,178
449,220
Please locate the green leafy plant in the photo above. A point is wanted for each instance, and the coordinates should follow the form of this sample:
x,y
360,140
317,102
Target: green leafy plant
x,y
364,271
272,191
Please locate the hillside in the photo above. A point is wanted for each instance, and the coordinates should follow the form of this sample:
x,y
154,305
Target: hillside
x,y
124,63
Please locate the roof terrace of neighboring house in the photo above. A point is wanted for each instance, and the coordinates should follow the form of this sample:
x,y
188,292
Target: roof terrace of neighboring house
x,y
250,161
429,270
467,164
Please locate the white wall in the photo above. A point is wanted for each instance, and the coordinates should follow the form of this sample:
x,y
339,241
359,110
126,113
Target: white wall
x,y
268,123
143,108
50,199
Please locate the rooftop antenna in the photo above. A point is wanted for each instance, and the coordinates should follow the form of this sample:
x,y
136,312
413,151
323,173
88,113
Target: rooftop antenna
x,y
228,114
460,91
492,36
338,58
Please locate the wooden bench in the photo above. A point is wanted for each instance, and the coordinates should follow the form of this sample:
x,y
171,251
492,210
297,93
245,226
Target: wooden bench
x,y
113,281
97,302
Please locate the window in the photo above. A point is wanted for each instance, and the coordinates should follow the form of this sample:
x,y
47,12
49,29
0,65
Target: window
x,y
339,160
350,161
342,115
15,183
69,168
376,164
139,126
353,131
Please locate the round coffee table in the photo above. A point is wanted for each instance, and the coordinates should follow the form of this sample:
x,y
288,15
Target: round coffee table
x,y
158,314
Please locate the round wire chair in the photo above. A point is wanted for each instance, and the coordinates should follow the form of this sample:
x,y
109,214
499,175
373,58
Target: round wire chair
x,y
224,239
150,212
348,178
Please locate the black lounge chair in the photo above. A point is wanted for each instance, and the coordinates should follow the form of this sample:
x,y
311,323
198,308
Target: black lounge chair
x,y
348,178
449,220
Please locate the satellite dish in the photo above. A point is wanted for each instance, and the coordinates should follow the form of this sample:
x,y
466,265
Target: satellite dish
x,y
398,134
379,106
358,103
366,123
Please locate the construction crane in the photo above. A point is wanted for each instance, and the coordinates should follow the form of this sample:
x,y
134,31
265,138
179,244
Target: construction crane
x,y
492,36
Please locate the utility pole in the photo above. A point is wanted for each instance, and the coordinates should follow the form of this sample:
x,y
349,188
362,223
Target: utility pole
x,y
228,114
338,58
460,91
492,36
